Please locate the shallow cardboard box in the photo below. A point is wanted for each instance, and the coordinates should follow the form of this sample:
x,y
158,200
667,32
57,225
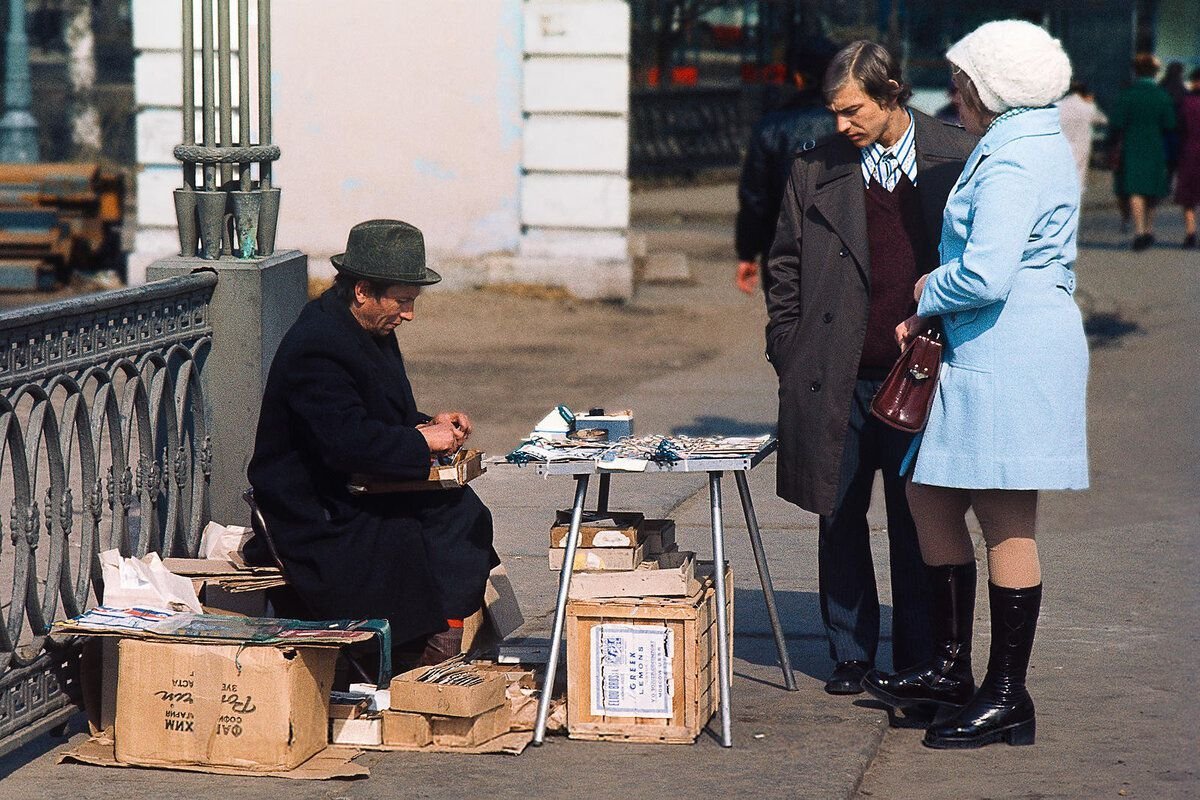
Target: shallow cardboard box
x,y
693,693
365,731
669,575
596,559
453,476
599,529
217,600
408,694
249,707
347,710
470,731
402,729
660,536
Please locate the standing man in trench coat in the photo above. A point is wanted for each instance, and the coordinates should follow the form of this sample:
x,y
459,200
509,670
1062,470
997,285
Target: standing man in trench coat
x,y
860,222
338,402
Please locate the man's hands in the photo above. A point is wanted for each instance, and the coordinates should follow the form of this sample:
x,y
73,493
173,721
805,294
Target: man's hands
x,y
446,432
456,418
747,276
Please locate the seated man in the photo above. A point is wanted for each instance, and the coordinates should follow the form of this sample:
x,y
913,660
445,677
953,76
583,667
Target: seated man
x,y
338,402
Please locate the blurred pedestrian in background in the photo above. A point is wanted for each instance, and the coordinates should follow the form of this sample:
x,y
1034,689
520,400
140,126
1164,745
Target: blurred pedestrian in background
x,y
1144,113
797,123
1079,116
1172,83
1008,417
1187,179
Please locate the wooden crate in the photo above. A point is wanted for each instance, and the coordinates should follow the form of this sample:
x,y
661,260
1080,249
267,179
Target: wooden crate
x,y
695,696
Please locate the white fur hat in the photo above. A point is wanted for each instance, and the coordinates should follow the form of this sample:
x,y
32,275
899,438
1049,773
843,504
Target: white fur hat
x,y
1013,63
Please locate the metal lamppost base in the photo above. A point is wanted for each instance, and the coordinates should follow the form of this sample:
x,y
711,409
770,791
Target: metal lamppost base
x,y
18,138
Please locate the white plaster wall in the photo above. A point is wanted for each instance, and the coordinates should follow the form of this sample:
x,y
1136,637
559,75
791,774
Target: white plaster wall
x,y
409,110
382,109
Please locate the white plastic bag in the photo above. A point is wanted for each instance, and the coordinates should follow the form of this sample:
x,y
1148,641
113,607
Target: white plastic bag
x,y
222,541
145,583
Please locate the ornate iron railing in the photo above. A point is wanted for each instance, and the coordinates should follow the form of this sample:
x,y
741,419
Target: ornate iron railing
x,y
680,130
103,444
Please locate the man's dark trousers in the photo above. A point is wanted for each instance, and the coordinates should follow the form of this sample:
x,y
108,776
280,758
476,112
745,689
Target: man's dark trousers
x,y
849,598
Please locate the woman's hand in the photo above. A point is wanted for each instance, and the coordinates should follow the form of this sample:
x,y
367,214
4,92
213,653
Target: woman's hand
x,y
919,287
909,328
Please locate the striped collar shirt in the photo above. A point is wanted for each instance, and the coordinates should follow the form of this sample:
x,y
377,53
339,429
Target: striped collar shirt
x,y
885,164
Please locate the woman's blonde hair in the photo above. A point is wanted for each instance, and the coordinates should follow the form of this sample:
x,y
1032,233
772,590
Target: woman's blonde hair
x,y
968,93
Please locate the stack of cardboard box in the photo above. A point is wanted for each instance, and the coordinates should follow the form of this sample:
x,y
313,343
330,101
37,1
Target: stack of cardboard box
x,y
641,631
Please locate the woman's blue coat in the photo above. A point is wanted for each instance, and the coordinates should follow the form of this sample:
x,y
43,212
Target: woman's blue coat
x,y
1009,411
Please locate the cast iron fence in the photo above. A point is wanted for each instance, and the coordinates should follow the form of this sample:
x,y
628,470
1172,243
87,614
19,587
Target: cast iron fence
x,y
680,130
103,444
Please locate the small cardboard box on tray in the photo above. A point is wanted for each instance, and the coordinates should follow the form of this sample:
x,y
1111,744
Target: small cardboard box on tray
x,y
645,669
599,529
475,715
468,465
611,541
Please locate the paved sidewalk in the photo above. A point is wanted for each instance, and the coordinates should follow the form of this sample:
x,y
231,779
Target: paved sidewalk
x,y
1120,626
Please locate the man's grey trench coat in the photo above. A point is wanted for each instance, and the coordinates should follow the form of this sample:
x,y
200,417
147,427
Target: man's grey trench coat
x,y
819,274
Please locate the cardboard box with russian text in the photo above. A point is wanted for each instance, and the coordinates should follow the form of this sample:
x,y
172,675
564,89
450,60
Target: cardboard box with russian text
x,y
257,708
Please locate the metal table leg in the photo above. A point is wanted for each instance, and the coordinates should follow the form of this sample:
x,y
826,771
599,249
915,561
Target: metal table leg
x,y
764,576
560,610
602,493
723,654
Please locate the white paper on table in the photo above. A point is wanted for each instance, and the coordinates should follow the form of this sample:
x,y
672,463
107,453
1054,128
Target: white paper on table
x,y
145,583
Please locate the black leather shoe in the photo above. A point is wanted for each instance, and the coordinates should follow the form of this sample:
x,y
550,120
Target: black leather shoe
x,y
1002,710
1142,242
945,680
847,677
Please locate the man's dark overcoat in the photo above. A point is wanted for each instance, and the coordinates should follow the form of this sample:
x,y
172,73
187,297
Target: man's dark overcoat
x,y
819,274
338,402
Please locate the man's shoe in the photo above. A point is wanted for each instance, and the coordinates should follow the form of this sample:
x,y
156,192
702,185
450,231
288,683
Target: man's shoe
x,y
945,680
847,677
1143,241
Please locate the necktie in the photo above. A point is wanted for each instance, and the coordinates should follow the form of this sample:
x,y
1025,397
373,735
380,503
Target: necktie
x,y
889,171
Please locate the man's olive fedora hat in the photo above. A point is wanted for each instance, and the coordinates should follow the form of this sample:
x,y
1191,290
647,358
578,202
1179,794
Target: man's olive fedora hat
x,y
386,250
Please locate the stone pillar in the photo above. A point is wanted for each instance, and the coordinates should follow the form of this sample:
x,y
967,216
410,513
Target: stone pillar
x,y
254,304
575,190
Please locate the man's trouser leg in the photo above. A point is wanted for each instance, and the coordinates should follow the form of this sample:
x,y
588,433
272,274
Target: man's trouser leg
x,y
912,637
849,599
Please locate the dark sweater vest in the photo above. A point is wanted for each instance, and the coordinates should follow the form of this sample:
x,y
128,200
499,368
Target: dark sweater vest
x,y
900,253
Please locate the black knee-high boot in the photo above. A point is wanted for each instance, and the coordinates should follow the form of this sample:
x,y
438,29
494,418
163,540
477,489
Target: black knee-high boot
x,y
1002,709
945,679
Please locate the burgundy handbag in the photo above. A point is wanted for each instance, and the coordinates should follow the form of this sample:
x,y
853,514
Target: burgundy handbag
x,y
904,399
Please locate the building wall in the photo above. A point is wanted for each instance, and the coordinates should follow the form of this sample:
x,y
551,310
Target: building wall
x,y
417,110
408,110
1177,34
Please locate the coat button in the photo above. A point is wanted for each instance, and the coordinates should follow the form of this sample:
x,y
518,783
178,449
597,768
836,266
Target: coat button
x,y
828,317
816,386
844,252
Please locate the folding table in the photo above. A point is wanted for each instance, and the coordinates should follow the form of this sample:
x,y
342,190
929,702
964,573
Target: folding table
x,y
739,465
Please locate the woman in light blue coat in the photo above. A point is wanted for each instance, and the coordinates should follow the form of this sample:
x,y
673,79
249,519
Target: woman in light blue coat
x,y
1008,417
